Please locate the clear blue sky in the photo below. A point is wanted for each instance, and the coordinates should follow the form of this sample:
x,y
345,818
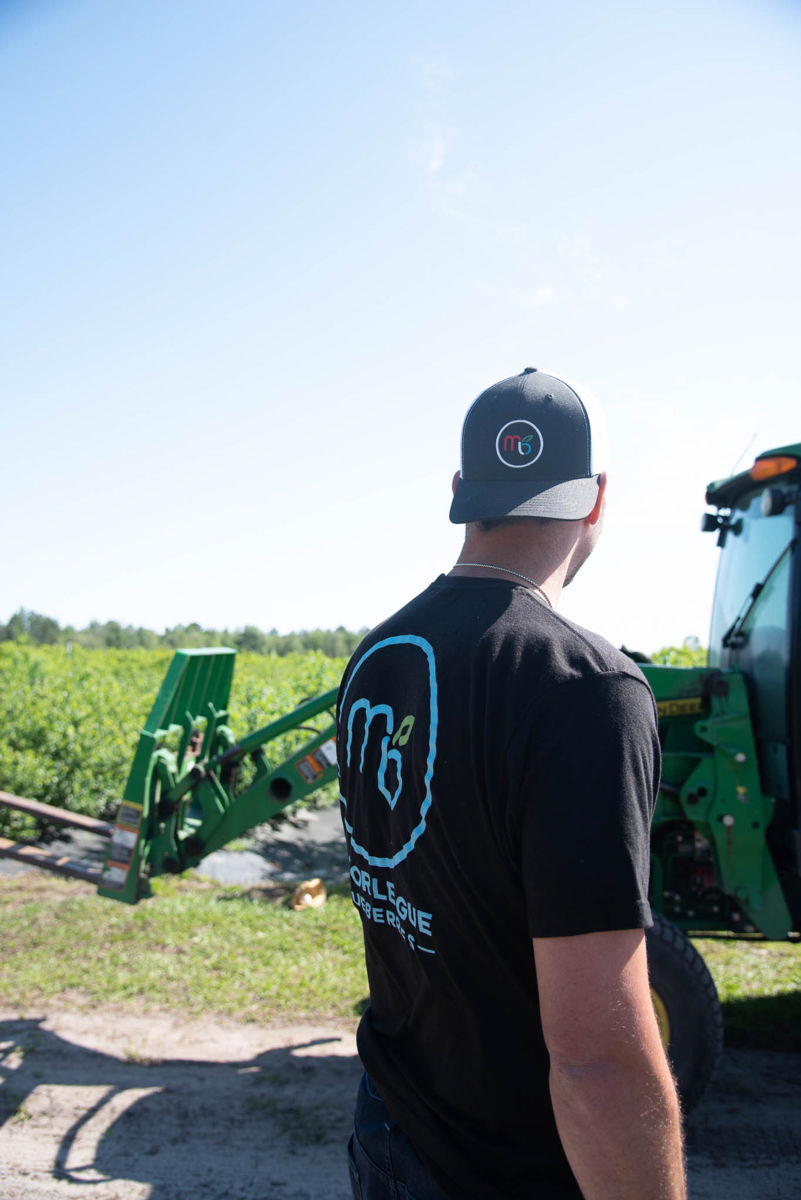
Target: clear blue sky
x,y
258,260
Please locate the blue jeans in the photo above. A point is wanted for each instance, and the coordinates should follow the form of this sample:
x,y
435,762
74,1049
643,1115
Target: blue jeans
x,y
383,1165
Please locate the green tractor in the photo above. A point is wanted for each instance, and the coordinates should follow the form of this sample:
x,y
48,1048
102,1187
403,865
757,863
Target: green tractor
x,y
725,847
725,844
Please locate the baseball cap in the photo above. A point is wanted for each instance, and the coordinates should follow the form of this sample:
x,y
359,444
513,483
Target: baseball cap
x,y
533,445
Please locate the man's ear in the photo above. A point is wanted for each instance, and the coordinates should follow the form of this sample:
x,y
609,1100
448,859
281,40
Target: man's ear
x,y
597,509
456,479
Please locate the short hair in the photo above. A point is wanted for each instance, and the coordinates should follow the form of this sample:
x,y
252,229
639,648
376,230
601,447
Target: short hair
x,y
491,523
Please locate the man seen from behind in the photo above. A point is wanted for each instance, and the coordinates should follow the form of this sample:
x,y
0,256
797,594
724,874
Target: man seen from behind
x,y
498,771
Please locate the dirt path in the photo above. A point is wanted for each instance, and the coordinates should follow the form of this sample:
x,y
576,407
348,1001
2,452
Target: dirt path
x,y
114,1107
121,1108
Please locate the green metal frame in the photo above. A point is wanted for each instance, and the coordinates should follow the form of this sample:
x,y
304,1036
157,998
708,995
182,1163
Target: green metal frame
x,y
711,809
181,804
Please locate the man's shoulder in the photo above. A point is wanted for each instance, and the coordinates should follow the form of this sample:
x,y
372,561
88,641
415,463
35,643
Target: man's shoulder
x,y
508,629
532,638
595,651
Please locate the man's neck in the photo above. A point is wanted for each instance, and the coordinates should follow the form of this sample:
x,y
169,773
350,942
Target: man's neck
x,y
536,556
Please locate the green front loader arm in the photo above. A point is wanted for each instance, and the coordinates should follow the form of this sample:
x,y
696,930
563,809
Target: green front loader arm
x,y
181,804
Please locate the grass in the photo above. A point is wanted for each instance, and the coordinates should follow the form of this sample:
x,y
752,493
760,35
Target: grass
x,y
195,946
246,954
759,985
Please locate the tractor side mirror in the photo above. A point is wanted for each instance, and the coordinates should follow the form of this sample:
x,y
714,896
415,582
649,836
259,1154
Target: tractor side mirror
x,y
722,524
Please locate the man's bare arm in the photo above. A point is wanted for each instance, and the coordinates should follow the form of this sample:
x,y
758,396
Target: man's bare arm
x,y
613,1094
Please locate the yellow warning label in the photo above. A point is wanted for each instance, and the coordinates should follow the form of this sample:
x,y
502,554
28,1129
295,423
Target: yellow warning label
x,y
686,707
129,815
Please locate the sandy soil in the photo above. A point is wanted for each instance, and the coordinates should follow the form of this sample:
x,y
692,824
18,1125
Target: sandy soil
x,y
113,1107
121,1108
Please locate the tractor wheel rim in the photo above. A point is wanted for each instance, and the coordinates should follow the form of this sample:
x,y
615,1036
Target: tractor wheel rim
x,y
662,1018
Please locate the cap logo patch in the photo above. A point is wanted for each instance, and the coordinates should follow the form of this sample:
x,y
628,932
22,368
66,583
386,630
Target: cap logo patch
x,y
518,444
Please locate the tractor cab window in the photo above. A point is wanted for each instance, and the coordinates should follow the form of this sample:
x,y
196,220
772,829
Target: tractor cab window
x,y
750,623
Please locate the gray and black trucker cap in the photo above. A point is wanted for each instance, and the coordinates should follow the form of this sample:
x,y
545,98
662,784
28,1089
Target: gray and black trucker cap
x,y
532,446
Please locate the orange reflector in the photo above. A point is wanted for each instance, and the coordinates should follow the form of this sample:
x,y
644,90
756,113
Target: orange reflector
x,y
766,468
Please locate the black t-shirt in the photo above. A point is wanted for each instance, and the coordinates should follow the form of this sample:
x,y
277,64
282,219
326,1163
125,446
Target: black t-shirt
x,y
498,769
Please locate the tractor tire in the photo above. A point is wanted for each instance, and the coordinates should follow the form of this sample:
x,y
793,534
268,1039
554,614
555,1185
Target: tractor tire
x,y
687,1008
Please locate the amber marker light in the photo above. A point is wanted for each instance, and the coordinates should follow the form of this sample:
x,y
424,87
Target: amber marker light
x,y
767,468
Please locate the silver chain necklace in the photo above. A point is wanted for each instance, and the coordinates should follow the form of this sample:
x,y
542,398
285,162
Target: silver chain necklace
x,y
509,571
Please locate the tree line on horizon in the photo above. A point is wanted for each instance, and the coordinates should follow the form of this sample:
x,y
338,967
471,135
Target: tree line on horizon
x,y
39,630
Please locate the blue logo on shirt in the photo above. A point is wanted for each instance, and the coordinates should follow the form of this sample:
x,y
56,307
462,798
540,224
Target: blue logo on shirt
x,y
375,740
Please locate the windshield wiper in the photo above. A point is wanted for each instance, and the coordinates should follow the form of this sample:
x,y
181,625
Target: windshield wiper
x,y
734,637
